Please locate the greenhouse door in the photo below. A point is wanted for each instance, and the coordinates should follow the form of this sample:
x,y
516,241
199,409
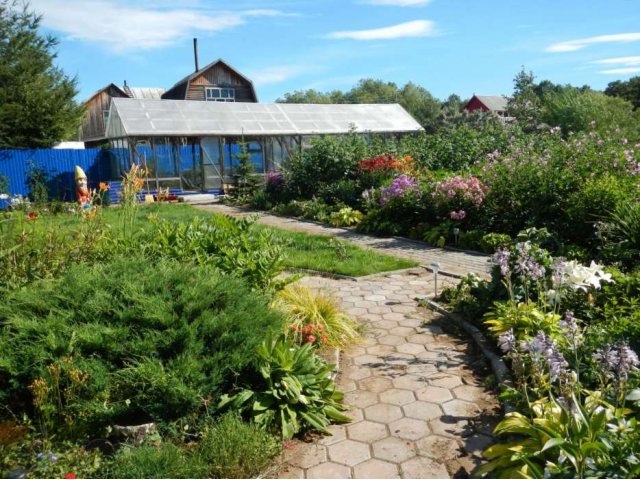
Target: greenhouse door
x,y
211,165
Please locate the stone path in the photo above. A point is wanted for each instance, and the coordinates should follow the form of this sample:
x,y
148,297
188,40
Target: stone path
x,y
451,261
420,405
415,398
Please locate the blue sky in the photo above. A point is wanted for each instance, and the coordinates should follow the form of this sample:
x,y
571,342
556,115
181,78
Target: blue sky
x,y
447,46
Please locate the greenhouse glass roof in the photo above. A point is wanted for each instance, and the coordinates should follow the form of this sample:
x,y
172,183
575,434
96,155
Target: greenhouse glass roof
x,y
140,117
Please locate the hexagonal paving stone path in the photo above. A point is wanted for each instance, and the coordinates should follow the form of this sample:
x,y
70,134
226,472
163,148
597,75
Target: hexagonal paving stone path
x,y
413,395
415,400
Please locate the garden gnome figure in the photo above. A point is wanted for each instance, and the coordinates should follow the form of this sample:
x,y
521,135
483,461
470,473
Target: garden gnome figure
x,y
82,190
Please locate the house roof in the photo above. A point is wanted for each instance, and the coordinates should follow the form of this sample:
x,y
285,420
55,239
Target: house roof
x,y
193,75
144,93
133,117
106,87
495,103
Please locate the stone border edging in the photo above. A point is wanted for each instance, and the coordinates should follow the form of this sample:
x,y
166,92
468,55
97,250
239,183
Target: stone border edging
x,y
499,368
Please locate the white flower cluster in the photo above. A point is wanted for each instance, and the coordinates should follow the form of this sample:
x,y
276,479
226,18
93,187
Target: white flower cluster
x,y
580,277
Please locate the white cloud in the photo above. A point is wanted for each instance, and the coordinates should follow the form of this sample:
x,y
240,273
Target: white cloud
x,y
621,71
124,28
398,3
573,45
416,28
281,73
628,61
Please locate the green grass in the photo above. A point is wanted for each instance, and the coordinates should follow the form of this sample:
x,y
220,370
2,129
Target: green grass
x,y
312,252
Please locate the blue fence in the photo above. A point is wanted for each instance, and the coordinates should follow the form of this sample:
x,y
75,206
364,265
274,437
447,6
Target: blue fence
x,y
15,166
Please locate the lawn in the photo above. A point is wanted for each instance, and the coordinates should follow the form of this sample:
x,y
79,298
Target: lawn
x,y
312,252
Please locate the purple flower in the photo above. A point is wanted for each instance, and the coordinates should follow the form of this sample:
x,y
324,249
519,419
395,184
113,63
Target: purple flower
x,y
617,359
507,341
274,179
501,258
399,187
542,346
526,265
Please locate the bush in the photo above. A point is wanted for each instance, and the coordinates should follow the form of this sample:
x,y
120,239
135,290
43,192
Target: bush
x,y
345,217
231,448
164,460
493,241
130,340
231,244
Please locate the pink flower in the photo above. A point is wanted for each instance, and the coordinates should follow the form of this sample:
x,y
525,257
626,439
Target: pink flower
x,y
459,215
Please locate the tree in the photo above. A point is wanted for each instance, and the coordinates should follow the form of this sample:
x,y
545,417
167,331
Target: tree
x,y
525,105
415,99
37,106
629,90
575,109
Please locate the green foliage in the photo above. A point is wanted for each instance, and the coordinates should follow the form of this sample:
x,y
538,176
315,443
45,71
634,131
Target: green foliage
x,y
629,90
525,104
295,393
28,77
37,249
493,241
164,460
246,183
621,234
233,245
585,439
231,448
227,448
575,110
345,217
37,183
525,319
149,339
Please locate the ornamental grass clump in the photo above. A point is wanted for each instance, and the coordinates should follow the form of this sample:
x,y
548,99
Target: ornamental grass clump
x,y
315,318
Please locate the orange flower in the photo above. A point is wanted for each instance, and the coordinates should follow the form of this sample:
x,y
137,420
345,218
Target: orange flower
x,y
32,216
139,182
103,187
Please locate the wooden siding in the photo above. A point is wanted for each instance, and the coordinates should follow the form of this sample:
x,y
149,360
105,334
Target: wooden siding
x,y
217,75
93,126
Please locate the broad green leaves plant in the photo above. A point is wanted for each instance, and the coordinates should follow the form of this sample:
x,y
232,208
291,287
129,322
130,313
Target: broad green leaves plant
x,y
578,439
295,394
345,217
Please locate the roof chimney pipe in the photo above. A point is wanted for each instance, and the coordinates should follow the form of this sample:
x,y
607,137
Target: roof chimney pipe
x,y
195,53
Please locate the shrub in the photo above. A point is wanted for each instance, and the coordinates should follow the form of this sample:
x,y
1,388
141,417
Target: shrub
x,y
493,241
128,340
231,244
621,234
295,392
315,316
343,192
164,460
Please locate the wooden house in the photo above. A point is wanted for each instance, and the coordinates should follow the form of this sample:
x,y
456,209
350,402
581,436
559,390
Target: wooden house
x,y
488,103
94,123
218,82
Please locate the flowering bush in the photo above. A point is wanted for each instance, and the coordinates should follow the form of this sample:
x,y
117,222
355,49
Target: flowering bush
x,y
387,164
402,186
456,196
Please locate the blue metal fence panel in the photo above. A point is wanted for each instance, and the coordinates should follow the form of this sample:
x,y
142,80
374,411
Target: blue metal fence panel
x,y
15,165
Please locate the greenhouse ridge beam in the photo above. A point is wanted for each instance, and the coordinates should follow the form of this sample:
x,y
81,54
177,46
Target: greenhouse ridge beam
x,y
144,118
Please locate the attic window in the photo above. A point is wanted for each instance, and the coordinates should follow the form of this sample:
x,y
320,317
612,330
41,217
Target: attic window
x,y
218,94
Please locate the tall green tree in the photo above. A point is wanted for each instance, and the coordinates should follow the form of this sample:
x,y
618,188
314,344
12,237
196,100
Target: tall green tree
x,y
629,90
37,106
525,104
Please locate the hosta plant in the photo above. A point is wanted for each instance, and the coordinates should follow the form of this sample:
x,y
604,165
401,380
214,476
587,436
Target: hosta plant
x,y
295,393
567,438
345,217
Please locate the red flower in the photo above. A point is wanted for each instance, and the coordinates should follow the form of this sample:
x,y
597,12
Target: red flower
x,y
32,216
70,475
304,330
294,327
323,339
310,328
311,339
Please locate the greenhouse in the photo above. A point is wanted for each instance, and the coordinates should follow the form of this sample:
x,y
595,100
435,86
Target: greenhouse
x,y
193,146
